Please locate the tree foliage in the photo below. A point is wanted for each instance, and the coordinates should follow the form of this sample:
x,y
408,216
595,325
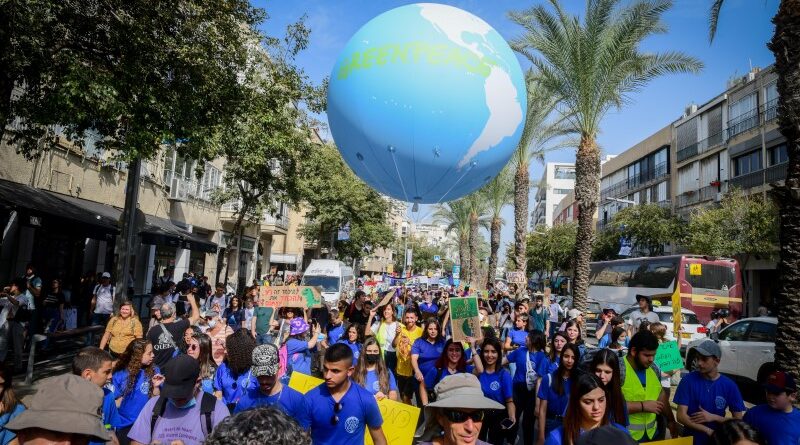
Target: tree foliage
x,y
422,257
550,250
649,227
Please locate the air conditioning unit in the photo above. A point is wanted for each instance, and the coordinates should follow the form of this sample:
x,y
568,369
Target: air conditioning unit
x,y
690,109
179,190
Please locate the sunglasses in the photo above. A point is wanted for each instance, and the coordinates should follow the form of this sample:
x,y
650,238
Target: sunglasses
x,y
461,416
193,347
337,407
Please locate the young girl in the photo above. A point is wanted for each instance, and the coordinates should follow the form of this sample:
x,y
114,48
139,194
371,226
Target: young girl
x,y
496,383
234,314
619,337
605,365
373,374
586,412
385,331
554,391
556,346
249,310
198,346
136,379
299,348
573,331
531,365
451,361
516,337
234,377
352,339
427,349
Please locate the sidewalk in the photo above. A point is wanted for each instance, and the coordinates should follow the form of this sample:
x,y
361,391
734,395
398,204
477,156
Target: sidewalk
x,y
57,362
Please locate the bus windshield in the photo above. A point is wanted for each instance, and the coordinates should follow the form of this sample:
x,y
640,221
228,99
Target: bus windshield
x,y
328,284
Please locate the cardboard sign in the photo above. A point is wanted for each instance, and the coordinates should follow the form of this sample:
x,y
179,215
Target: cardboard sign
x,y
304,383
678,441
465,319
290,296
668,356
516,277
399,422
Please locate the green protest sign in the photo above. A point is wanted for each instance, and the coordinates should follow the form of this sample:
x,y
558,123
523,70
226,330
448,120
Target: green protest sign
x,y
668,356
465,318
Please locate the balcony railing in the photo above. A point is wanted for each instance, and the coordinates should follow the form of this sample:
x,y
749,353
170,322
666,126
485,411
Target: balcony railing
x,y
771,110
687,199
743,123
748,180
622,187
776,173
281,220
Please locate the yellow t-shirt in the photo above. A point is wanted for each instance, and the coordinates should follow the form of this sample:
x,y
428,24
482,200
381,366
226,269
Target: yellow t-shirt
x,y
123,332
404,342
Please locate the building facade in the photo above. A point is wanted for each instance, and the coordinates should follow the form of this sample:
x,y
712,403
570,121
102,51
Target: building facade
x,y
557,180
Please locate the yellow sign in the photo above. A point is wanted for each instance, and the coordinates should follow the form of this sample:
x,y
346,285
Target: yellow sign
x,y
304,383
678,441
677,318
695,269
390,268
399,422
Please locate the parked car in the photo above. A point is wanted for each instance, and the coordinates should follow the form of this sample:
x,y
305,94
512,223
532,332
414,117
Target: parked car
x,y
748,354
691,328
593,311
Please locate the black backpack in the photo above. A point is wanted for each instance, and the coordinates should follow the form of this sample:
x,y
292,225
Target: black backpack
x,y
207,405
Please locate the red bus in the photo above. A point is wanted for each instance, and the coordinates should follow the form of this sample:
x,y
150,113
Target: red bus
x,y
706,283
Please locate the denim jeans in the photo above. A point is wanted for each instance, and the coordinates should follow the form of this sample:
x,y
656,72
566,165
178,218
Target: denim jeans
x,y
262,339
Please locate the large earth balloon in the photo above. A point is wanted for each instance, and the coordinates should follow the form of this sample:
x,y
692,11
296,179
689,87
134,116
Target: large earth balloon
x,y
426,103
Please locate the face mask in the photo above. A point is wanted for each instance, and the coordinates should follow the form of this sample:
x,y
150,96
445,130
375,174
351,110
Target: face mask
x,y
371,358
212,323
190,404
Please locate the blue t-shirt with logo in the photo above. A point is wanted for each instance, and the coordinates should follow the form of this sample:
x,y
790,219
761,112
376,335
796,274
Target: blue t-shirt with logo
x,y
539,362
556,404
497,385
111,417
556,437
354,346
289,400
372,384
434,376
132,402
428,353
298,355
233,387
518,336
335,333
715,396
358,409
777,427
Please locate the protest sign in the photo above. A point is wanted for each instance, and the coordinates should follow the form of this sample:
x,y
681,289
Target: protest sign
x,y
303,383
399,422
668,356
464,318
517,277
290,296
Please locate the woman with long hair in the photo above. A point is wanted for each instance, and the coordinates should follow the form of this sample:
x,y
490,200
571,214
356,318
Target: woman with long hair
x,y
121,330
427,349
299,347
198,346
586,411
451,361
135,380
516,336
10,405
385,331
234,314
353,339
619,335
496,383
554,389
372,372
234,377
573,330
736,432
531,365
557,344
605,365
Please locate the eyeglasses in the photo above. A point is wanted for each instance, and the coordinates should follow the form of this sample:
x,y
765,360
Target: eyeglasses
x,y
336,408
461,416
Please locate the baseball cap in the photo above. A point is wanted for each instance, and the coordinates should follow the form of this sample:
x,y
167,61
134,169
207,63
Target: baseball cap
x,y
709,348
779,381
180,377
105,275
265,360
605,435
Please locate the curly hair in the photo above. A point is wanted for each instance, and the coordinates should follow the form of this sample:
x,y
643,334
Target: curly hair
x,y
239,355
131,360
258,426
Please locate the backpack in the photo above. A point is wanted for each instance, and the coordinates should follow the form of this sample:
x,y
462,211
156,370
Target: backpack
x,y
207,405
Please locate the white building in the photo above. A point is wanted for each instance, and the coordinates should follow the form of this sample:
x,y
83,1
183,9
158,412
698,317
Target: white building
x,y
557,181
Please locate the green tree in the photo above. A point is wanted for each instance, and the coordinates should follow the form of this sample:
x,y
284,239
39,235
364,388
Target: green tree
x,y
606,245
498,193
648,226
550,250
455,215
592,64
478,207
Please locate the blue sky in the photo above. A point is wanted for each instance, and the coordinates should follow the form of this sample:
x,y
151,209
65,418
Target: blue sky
x,y
745,27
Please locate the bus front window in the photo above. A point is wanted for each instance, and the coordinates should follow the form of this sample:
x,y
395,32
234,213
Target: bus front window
x,y
328,284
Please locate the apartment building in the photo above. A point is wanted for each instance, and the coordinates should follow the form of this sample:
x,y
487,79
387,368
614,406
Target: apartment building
x,y
557,180
380,259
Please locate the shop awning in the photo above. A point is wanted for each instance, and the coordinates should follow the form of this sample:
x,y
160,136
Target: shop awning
x,y
40,208
161,231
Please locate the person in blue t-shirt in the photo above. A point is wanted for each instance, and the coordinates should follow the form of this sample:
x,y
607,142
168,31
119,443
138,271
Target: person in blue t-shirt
x,y
373,374
557,343
299,347
554,390
607,323
234,314
12,406
588,411
496,383
704,395
270,391
343,410
335,328
233,377
516,337
453,360
427,349
352,339
135,380
531,363
95,365
428,308
778,420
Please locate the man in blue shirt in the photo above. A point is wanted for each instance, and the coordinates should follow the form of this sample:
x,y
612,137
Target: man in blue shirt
x,y
271,391
94,365
342,409
778,420
704,395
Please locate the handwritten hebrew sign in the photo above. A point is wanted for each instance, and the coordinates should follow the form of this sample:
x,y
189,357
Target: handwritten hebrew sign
x,y
464,318
290,296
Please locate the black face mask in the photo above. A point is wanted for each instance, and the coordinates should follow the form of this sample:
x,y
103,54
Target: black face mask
x,y
371,358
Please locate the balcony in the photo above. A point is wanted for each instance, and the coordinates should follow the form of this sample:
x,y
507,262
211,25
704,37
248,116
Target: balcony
x,y
770,110
748,180
776,173
279,223
640,180
743,123
687,198
707,144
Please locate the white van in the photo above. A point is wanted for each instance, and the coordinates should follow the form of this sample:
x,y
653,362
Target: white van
x,y
335,279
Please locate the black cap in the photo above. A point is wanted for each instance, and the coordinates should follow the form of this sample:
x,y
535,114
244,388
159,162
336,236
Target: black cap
x,y
605,435
180,377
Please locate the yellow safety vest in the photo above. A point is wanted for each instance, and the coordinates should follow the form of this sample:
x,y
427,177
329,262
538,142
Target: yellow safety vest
x,y
634,392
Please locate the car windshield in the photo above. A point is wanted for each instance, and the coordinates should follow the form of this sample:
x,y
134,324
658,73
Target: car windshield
x,y
328,284
666,317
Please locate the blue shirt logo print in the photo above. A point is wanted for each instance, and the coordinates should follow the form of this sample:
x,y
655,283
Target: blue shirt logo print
x,y
351,424
720,402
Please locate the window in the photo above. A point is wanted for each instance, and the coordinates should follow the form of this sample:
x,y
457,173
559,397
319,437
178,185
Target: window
x,y
561,191
748,163
771,93
777,154
735,332
762,332
211,180
741,107
565,173
713,277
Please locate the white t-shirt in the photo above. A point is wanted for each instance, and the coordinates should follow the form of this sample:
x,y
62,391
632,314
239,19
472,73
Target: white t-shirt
x,y
637,316
104,302
391,332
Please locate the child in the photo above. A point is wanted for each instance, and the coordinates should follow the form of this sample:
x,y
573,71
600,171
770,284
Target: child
x,y
660,331
778,420
136,379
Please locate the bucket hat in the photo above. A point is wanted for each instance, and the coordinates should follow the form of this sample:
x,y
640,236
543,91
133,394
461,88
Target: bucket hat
x,y
297,326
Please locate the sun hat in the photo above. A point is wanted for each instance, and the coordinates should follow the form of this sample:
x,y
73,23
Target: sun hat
x,y
105,275
455,391
709,348
265,360
646,297
297,326
605,435
180,377
65,404
573,313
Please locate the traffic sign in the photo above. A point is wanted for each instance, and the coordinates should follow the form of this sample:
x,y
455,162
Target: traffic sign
x,y
437,258
456,271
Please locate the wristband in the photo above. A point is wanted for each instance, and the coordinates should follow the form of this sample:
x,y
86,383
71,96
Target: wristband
x,y
642,405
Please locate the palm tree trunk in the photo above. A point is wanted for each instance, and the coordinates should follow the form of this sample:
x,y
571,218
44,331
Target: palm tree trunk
x,y
587,193
463,249
473,249
521,190
785,44
494,241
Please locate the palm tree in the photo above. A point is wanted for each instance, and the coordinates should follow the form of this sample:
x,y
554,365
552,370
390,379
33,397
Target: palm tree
x,y
538,133
455,214
478,207
785,44
591,66
498,193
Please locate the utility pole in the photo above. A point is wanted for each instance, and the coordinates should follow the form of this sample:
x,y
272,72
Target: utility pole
x,y
128,232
